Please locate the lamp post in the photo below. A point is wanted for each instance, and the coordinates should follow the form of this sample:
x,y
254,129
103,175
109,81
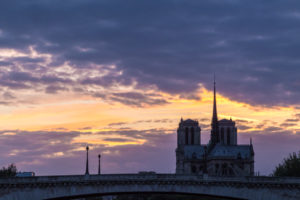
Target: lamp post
x,y
99,166
87,161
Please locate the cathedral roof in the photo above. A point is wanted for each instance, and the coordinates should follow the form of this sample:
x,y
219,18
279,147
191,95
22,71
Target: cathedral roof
x,y
220,151
231,151
194,151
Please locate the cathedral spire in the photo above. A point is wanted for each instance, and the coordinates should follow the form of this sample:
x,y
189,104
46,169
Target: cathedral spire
x,y
215,115
214,122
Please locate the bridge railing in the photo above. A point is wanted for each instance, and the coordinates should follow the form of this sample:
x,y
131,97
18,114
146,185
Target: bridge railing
x,y
154,176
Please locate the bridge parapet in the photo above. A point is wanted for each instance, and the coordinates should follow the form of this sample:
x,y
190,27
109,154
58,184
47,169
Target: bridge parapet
x,y
140,177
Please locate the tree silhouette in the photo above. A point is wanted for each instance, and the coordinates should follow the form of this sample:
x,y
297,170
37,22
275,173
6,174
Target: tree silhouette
x,y
290,166
10,171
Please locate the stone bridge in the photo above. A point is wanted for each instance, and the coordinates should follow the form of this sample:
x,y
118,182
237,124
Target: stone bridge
x,y
72,187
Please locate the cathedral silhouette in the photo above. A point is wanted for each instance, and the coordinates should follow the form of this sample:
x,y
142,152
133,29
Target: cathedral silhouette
x,y
222,156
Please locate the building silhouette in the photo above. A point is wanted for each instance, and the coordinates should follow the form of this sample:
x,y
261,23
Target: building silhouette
x,y
222,156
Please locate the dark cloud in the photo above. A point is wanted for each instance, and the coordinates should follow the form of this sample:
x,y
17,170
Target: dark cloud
x,y
204,120
259,126
137,99
117,124
284,125
190,96
144,121
8,95
6,103
245,124
25,80
173,46
86,128
292,120
241,121
136,134
141,121
53,89
244,127
163,121
118,140
272,129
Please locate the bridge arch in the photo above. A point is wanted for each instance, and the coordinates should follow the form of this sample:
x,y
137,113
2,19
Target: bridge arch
x,y
204,196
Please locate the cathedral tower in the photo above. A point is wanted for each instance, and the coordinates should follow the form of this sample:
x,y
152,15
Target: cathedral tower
x,y
188,135
228,132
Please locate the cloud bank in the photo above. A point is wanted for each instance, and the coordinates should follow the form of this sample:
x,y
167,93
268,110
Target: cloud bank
x,y
129,150
171,46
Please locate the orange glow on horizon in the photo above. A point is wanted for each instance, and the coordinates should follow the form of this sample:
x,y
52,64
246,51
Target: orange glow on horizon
x,y
86,114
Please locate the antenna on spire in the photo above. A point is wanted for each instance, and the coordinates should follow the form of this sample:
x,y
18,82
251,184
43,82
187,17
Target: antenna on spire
x,y
214,78
250,140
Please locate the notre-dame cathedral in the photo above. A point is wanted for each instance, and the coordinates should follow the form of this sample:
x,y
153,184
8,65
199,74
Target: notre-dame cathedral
x,y
222,156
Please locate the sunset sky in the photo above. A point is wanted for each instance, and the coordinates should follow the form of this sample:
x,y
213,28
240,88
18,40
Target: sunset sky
x,y
118,75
